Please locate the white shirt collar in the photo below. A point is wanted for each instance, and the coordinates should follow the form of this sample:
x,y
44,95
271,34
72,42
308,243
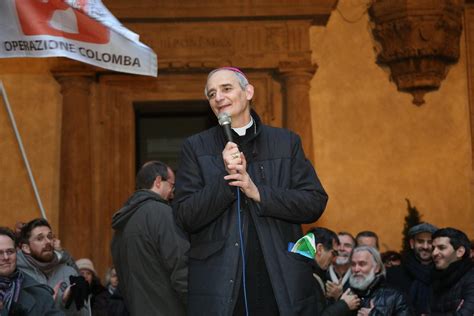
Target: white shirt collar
x,y
242,130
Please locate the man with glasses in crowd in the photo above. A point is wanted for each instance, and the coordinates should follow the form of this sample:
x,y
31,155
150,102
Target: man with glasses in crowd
x,y
20,294
148,249
326,244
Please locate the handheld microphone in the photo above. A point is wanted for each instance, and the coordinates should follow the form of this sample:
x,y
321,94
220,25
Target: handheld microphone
x,y
225,121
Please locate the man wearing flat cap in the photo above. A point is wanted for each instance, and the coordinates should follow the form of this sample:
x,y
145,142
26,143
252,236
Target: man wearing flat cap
x,y
414,275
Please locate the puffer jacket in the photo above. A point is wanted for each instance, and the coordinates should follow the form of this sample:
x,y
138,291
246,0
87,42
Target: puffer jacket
x,y
386,301
35,300
453,290
206,207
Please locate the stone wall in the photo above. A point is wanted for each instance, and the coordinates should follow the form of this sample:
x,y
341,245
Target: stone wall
x,y
36,104
374,148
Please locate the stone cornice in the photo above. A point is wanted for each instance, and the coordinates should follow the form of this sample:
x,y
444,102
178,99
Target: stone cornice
x,y
316,10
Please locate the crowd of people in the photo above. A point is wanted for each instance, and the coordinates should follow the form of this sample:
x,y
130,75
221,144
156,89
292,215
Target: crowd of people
x,y
215,240
435,277
39,277
350,276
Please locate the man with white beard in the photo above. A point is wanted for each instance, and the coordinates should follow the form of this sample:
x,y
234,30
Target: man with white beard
x,y
367,280
339,271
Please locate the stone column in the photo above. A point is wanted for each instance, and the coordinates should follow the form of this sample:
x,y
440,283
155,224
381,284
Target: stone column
x,y
75,204
296,106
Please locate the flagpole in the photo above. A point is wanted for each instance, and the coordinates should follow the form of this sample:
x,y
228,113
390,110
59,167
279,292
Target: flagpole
x,y
22,149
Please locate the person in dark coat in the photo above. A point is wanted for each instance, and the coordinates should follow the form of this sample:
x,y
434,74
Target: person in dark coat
x,y
367,280
20,294
148,248
261,180
414,275
326,244
453,280
116,305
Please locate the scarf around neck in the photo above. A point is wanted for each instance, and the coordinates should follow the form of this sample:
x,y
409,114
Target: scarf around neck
x,y
335,278
10,289
420,288
445,279
46,267
417,270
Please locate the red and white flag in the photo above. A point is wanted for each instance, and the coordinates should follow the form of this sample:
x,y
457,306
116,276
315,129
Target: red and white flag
x,y
83,30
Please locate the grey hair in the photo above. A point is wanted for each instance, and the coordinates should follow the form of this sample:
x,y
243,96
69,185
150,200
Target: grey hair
x,y
108,275
375,254
243,82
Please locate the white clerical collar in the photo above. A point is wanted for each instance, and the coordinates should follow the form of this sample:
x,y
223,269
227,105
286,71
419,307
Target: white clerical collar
x,y
242,130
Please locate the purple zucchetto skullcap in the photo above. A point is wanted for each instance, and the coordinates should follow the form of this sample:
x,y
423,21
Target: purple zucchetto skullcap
x,y
234,69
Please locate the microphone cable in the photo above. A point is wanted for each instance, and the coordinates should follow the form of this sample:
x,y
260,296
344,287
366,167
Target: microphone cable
x,y
242,252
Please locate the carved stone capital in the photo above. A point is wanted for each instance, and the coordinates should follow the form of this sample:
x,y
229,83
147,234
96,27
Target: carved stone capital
x,y
302,69
418,40
77,83
74,76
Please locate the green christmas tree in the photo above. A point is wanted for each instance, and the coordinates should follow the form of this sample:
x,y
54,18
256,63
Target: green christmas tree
x,y
413,218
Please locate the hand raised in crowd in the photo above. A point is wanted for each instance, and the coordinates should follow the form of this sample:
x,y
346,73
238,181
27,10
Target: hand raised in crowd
x,y
66,291
57,245
240,178
56,290
333,290
365,311
67,294
352,300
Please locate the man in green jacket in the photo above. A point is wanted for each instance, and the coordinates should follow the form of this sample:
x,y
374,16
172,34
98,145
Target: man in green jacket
x,y
148,249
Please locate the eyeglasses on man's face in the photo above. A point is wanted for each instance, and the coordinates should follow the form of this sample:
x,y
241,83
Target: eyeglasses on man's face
x,y
7,252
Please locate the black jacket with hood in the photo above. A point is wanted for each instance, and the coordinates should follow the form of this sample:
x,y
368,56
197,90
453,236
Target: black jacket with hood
x,y
149,254
205,206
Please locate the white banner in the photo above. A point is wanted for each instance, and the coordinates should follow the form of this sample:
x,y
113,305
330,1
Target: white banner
x,y
83,30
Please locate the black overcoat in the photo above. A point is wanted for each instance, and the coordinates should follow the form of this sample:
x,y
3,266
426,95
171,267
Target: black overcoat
x,y
205,206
